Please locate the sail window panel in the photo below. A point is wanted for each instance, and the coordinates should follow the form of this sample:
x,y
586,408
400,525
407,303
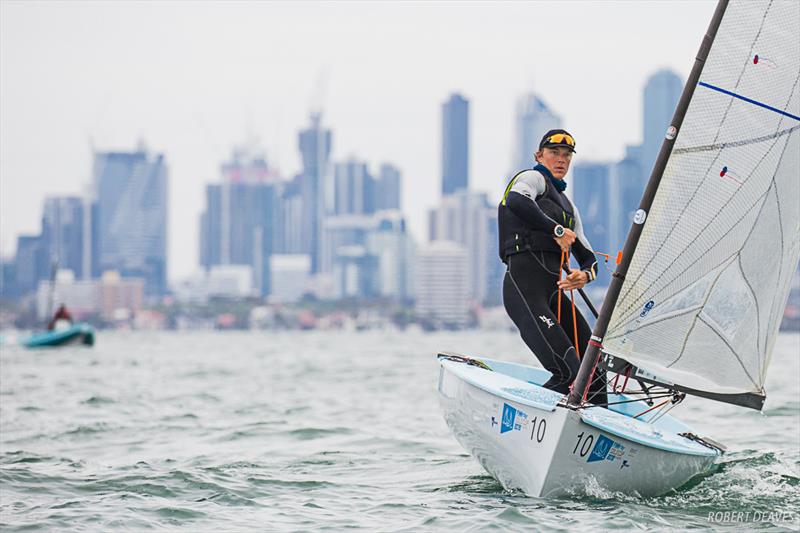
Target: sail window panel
x,y
689,300
658,341
715,360
731,311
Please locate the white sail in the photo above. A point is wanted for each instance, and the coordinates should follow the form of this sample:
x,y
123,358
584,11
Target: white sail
x,y
703,298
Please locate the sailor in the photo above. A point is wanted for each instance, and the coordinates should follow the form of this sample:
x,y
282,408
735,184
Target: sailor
x,y
537,225
61,319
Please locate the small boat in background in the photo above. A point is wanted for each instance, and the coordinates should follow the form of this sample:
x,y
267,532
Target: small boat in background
x,y
80,333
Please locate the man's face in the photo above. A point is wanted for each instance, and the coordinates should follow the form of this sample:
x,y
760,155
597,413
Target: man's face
x,y
556,159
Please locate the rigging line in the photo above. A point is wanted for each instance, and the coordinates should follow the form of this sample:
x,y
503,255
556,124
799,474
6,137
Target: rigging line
x,y
736,355
748,100
721,209
734,144
660,415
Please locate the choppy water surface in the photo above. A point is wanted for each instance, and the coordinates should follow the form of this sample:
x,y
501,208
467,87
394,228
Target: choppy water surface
x,y
300,431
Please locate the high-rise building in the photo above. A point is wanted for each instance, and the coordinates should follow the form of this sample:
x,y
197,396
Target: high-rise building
x,y
441,284
32,264
596,196
241,219
315,149
131,216
630,182
290,233
387,191
289,277
532,119
354,189
63,233
455,144
468,219
391,244
661,94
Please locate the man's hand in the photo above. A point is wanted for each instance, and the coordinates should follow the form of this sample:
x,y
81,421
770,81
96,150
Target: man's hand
x,y
566,240
575,280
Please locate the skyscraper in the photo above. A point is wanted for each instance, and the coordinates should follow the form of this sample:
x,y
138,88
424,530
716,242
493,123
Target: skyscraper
x,y
315,149
241,219
467,218
441,284
532,120
354,189
387,191
596,195
661,94
31,264
131,208
455,144
63,232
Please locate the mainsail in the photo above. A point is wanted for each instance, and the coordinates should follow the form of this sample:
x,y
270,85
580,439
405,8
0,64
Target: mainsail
x,y
704,294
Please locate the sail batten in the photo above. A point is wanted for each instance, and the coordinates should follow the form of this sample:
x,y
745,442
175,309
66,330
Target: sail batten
x,y
706,285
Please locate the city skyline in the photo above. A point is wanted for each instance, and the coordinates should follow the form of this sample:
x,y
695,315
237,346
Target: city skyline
x,y
372,131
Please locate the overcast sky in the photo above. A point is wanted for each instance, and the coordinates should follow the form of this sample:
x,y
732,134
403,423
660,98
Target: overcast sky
x,y
190,78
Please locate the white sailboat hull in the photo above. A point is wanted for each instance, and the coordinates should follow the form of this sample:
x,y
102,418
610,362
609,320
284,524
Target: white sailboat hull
x,y
521,436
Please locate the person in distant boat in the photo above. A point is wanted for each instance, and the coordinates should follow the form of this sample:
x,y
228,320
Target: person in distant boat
x,y
62,316
537,225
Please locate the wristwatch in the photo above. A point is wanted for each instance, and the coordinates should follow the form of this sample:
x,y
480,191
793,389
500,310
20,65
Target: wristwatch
x,y
558,231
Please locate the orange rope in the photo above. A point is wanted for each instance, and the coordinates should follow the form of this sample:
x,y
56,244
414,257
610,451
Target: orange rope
x,y
560,271
574,324
565,261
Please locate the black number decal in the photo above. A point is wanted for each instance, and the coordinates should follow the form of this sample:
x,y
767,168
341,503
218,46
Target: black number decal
x,y
587,445
580,436
538,431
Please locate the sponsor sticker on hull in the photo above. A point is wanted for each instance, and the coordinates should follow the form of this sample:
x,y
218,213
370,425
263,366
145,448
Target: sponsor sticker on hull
x,y
606,449
512,419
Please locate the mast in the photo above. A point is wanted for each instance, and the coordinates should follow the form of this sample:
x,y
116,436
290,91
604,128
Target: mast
x,y
592,354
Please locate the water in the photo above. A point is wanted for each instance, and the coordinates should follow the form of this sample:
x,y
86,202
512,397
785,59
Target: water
x,y
326,431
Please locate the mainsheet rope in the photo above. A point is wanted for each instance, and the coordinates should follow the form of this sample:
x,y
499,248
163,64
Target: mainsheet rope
x,y
565,262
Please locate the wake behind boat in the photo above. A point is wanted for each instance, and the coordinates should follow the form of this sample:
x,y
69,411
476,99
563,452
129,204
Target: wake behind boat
x,y
695,304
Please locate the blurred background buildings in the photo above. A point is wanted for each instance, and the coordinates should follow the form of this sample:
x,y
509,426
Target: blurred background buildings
x,y
334,235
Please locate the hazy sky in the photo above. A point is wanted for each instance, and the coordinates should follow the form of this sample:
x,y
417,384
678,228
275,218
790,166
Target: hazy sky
x,y
190,78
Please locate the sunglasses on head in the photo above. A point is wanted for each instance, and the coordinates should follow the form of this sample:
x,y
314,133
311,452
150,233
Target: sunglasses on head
x,y
561,138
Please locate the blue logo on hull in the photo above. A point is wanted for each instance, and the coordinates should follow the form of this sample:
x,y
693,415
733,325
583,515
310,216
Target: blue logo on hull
x,y
600,449
606,448
509,415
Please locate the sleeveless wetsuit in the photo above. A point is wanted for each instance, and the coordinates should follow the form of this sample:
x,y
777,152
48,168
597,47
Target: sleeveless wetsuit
x,y
531,208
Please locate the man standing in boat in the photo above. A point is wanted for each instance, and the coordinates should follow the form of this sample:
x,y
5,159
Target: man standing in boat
x,y
539,229
62,316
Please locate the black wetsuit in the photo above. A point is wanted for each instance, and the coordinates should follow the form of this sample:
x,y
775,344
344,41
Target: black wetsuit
x,y
527,217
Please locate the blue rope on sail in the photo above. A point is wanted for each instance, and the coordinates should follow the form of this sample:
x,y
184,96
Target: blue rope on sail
x,y
748,100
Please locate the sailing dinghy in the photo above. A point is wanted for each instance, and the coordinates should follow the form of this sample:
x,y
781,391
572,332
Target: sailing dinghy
x,y
695,305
